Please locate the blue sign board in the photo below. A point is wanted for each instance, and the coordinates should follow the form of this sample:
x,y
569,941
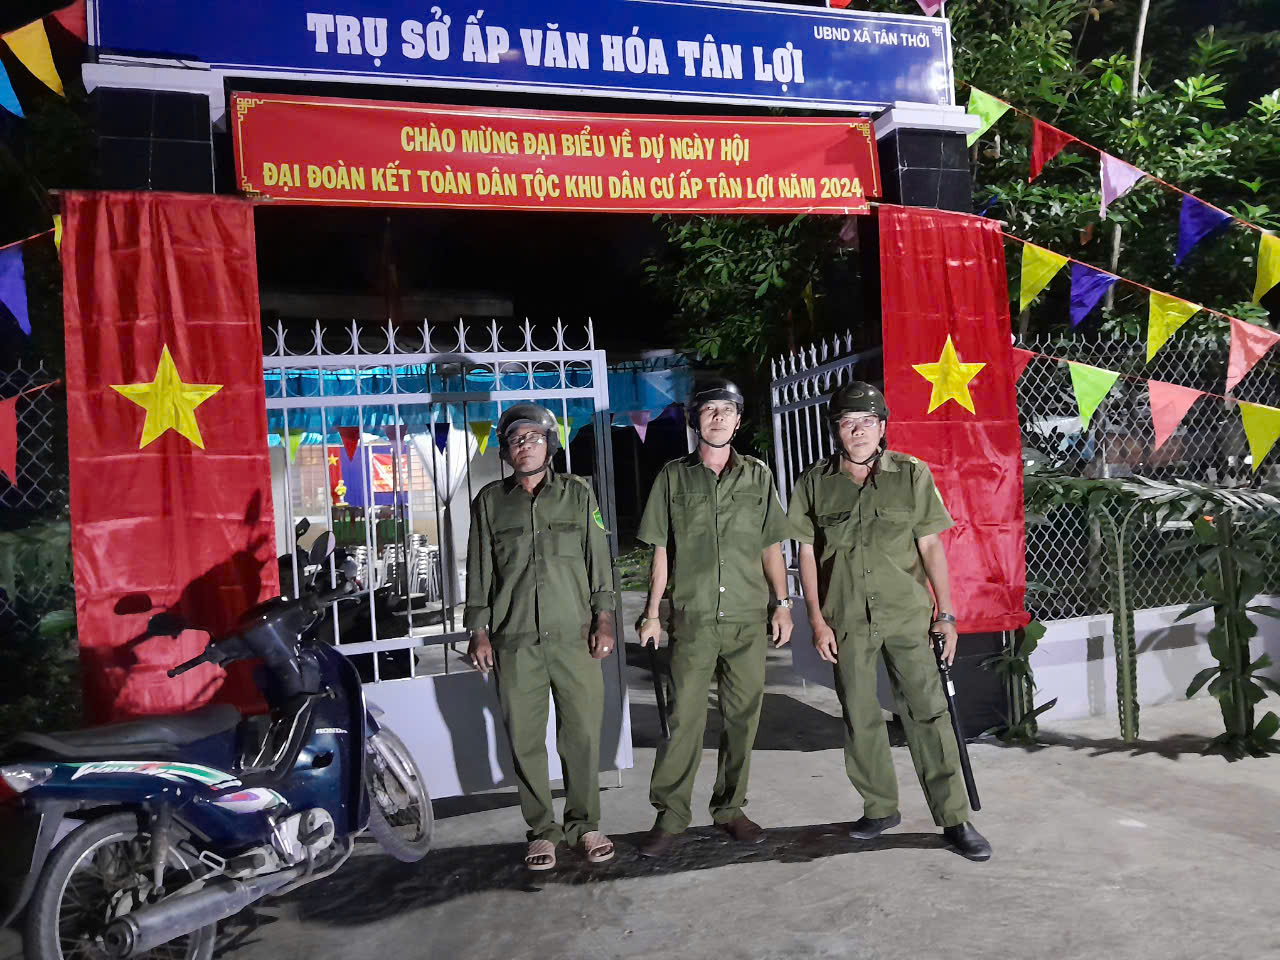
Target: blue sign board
x,y
707,51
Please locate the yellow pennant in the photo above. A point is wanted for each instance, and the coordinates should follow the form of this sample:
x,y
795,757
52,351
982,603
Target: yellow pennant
x,y
480,430
1039,266
1268,265
30,44
1165,316
1262,428
57,231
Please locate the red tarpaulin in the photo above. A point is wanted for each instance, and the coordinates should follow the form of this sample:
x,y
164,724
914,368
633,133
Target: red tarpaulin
x,y
170,478
298,149
948,378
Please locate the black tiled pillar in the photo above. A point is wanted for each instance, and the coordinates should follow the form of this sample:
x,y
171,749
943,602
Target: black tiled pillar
x,y
924,161
154,140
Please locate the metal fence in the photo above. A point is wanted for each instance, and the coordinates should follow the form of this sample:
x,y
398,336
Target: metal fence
x,y
1067,569
38,492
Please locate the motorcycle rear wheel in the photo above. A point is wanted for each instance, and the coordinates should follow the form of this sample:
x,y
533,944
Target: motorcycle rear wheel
x,y
75,897
400,815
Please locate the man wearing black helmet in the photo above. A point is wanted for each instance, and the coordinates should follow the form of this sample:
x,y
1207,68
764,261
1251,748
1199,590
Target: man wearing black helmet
x,y
716,527
868,521
540,602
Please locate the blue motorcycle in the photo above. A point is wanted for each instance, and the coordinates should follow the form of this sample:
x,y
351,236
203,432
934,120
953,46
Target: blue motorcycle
x,y
135,839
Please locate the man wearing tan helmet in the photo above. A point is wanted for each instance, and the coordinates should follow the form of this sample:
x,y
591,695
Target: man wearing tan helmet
x,y
868,521
540,601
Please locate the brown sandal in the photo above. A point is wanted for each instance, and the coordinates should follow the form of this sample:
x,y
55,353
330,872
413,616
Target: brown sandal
x,y
596,847
541,855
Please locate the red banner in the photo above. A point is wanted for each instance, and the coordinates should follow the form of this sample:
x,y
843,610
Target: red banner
x,y
317,150
948,378
166,427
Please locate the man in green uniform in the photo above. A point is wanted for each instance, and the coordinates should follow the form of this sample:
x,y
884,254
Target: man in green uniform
x,y
540,602
716,527
868,521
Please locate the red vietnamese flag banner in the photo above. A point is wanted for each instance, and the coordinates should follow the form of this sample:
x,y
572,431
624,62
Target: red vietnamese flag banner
x,y
297,149
949,382
170,478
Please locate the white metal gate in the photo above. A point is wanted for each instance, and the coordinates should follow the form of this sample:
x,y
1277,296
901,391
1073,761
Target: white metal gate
x,y
381,435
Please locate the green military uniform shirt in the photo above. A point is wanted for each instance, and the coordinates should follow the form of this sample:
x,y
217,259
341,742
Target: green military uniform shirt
x,y
864,537
537,567
715,529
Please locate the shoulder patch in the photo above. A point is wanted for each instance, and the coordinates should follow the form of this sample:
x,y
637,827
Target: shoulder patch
x,y
582,480
595,515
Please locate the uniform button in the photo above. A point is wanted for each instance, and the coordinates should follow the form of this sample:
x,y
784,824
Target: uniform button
x,y
868,571
722,589
720,614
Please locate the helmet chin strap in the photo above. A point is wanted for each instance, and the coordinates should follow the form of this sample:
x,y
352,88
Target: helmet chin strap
x,y
717,446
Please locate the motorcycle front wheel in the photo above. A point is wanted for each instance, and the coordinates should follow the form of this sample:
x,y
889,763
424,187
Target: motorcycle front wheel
x,y
400,815
99,872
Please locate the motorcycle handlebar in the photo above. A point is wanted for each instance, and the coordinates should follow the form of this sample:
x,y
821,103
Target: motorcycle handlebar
x,y
339,592
210,655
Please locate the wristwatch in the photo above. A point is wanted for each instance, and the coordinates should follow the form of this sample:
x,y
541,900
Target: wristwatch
x,y
785,603
944,618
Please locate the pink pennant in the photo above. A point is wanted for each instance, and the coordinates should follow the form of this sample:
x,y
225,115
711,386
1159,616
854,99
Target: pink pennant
x,y
1169,404
9,439
930,7
640,420
1020,360
1118,179
1248,344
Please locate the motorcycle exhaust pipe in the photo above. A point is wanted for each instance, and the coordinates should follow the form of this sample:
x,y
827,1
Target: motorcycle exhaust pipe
x,y
144,930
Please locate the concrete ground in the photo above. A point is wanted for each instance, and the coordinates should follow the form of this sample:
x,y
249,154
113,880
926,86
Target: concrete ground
x,y
1102,850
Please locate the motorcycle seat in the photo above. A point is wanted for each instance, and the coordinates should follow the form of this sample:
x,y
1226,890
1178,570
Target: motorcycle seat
x,y
146,738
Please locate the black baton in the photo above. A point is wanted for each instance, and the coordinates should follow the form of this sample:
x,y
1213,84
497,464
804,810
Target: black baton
x,y
949,690
659,694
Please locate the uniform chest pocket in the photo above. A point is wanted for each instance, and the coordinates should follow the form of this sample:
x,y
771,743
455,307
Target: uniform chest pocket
x,y
894,514
746,511
834,529
510,544
689,512
566,538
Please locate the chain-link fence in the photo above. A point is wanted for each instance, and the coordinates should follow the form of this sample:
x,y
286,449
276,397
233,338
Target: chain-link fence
x,y
31,537
1068,567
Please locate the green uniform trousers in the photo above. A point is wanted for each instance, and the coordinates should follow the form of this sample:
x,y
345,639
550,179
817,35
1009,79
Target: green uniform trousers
x,y
917,691
564,667
734,655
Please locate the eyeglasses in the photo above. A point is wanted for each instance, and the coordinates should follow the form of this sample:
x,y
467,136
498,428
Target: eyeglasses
x,y
859,423
537,439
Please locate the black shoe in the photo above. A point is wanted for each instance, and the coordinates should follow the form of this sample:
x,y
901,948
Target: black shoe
x,y
967,841
743,829
656,843
868,828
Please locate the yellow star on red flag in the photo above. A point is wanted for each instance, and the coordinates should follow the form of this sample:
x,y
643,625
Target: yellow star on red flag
x,y
169,401
950,378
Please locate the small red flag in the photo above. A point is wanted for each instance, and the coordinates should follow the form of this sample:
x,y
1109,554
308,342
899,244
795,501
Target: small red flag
x,y
73,18
948,378
1020,360
167,429
9,439
1046,143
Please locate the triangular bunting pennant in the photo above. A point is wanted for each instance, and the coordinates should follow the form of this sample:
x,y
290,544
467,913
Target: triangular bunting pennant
x,y
562,428
640,420
13,286
350,440
9,439
57,231
987,109
1262,428
395,433
1118,179
1169,404
9,99
1039,266
30,44
1248,345
295,441
1046,143
930,7
481,429
1091,385
441,433
1088,286
1020,360
1196,221
1165,315
1268,265
73,19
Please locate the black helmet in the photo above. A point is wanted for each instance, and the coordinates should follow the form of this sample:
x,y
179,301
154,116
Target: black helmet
x,y
528,413
714,388
856,397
